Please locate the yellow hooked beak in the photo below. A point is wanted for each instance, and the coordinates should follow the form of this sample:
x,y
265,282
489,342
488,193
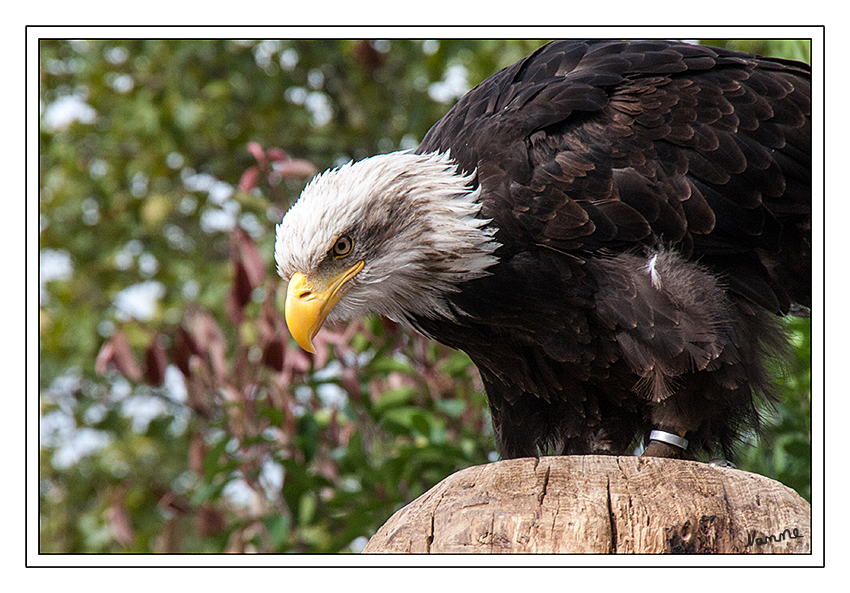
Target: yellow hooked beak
x,y
308,304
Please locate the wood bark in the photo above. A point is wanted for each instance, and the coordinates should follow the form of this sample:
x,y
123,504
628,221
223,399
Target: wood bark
x,y
600,505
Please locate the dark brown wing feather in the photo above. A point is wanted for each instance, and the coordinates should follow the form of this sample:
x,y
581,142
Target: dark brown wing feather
x,y
654,141
586,150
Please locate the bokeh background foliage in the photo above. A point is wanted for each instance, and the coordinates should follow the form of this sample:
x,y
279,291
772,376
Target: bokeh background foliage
x,y
176,413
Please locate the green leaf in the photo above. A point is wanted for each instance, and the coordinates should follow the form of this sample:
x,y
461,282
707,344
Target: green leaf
x,y
420,422
394,398
400,420
306,509
452,407
801,449
158,427
206,493
278,528
387,365
308,436
457,364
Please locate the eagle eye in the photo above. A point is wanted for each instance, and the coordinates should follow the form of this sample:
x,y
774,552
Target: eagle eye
x,y
342,246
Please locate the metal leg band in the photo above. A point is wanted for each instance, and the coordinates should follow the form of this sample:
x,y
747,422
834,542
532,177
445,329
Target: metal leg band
x,y
669,438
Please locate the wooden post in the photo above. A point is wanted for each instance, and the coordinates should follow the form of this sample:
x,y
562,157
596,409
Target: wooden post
x,y
600,504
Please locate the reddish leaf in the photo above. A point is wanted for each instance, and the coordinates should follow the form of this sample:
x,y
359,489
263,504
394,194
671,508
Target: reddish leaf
x,y
351,384
196,395
119,517
244,254
322,343
369,57
249,396
270,324
234,401
298,361
184,348
172,502
170,536
210,341
155,362
197,454
232,306
249,178
259,154
273,333
333,429
123,357
295,168
242,288
329,336
327,468
117,351
346,433
104,355
276,154
209,521
273,354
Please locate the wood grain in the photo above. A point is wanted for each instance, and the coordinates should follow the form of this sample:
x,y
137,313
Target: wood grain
x,y
600,505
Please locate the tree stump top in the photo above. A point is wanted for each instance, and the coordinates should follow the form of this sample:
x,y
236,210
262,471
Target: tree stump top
x,y
600,504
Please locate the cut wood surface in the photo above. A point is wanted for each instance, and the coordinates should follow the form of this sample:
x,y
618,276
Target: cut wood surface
x,y
600,505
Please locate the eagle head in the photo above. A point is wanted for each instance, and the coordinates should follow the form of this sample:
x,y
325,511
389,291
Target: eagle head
x,y
393,234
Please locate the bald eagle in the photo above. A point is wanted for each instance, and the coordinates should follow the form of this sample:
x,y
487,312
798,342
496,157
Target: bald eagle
x,y
611,230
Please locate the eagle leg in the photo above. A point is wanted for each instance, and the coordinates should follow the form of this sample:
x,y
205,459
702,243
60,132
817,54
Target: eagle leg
x,y
658,449
667,445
